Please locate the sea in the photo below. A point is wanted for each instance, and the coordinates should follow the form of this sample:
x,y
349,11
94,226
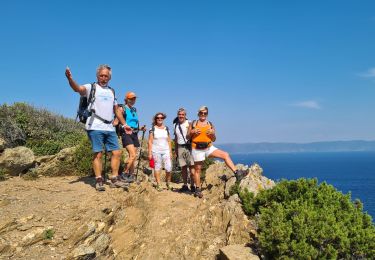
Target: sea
x,y
347,171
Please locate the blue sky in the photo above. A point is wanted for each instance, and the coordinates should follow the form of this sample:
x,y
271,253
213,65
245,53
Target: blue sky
x,y
274,71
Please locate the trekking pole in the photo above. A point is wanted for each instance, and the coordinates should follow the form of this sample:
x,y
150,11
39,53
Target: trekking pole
x,y
140,154
105,166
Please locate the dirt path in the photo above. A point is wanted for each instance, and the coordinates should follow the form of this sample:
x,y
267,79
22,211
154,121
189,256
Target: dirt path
x,y
147,224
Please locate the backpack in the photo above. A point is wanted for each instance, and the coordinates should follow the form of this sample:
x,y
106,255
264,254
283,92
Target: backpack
x,y
153,129
84,110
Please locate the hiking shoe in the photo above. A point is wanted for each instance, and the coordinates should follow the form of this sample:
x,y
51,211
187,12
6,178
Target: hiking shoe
x,y
240,174
117,183
192,188
184,188
99,185
127,177
198,193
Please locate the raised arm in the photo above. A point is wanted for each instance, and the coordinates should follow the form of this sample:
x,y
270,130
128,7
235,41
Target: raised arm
x,y
77,88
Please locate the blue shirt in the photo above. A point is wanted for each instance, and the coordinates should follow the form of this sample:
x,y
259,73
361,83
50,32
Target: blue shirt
x,y
131,117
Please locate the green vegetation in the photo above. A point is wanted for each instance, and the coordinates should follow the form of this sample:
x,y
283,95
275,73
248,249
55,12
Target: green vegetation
x,y
302,219
42,131
31,175
2,175
48,234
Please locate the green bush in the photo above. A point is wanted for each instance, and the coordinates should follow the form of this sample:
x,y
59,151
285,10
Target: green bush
x,y
42,131
303,220
82,158
2,175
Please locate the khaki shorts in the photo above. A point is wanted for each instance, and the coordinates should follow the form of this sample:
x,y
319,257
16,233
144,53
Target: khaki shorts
x,y
184,156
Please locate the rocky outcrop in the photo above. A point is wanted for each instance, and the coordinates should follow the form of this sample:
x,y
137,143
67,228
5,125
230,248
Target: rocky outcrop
x,y
237,252
255,181
16,160
52,165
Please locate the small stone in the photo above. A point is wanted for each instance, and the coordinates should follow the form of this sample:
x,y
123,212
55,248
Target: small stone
x,y
65,237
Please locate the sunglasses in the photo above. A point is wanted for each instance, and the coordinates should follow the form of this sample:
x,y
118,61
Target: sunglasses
x,y
203,113
159,117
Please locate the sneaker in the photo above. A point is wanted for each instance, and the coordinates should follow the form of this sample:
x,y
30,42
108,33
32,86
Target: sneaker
x,y
192,188
99,185
198,193
240,174
117,183
184,188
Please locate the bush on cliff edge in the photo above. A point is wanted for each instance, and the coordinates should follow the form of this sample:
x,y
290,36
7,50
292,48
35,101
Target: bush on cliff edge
x,y
42,131
301,219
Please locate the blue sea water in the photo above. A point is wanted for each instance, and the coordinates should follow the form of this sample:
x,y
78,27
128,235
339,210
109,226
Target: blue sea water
x,y
347,171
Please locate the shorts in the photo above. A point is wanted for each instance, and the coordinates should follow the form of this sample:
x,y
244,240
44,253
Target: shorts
x,y
130,139
184,156
101,138
200,155
162,158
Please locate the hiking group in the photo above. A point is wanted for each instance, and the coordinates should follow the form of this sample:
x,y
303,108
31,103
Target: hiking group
x,y
105,119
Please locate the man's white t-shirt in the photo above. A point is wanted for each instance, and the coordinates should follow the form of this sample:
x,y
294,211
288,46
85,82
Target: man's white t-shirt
x,y
103,106
184,128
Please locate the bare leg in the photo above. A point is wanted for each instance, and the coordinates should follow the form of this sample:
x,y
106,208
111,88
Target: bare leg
x,y
132,151
225,156
197,174
97,164
192,174
115,162
168,176
157,177
184,174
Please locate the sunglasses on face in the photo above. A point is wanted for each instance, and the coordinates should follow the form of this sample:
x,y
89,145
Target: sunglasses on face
x,y
160,117
203,113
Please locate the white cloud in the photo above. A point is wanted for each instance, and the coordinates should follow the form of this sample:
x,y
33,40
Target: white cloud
x,y
311,104
370,73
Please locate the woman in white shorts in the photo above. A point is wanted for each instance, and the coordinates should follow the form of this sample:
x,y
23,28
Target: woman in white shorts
x,y
160,148
202,134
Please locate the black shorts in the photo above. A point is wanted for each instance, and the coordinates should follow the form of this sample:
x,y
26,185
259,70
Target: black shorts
x,y
130,139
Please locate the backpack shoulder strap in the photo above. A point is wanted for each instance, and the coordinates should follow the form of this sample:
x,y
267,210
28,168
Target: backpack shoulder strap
x,y
91,97
166,128
193,124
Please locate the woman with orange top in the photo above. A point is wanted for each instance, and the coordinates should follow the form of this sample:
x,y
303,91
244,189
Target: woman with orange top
x,y
202,134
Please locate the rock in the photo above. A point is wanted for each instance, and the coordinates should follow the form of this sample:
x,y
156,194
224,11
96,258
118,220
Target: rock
x,y
33,237
237,252
44,159
17,160
101,243
2,144
228,186
52,166
5,247
83,252
254,181
82,233
8,225
216,172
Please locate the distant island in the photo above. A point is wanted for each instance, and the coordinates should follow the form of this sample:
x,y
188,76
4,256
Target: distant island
x,y
265,147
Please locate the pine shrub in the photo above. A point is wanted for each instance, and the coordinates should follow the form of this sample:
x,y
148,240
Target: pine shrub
x,y
44,132
301,219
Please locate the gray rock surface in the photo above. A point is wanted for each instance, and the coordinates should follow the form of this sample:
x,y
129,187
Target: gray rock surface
x,y
255,181
51,165
17,160
83,252
237,252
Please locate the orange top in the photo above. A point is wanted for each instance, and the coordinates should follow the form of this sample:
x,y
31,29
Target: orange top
x,y
202,137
